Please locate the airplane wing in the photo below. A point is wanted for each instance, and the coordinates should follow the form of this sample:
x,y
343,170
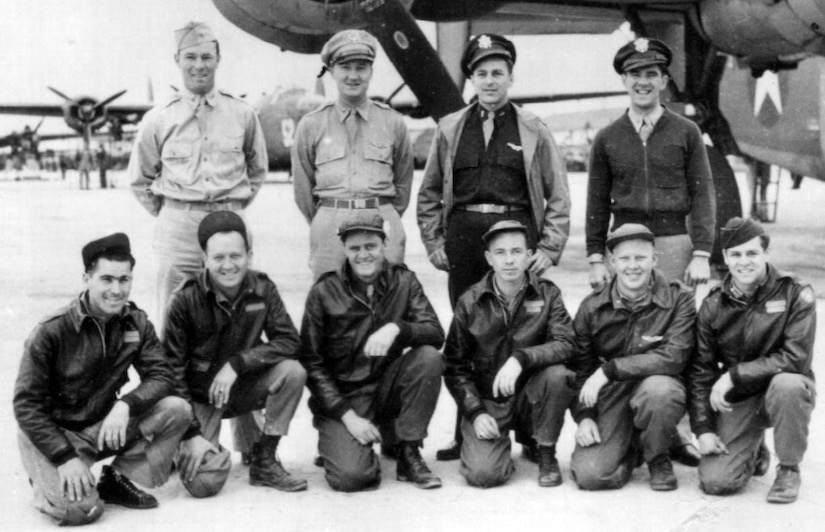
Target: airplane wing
x,y
32,109
9,140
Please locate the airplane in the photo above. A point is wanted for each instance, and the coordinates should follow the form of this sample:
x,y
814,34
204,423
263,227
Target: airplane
x,y
721,47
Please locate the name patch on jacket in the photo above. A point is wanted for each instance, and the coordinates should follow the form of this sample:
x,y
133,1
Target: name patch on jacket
x,y
533,307
130,337
776,306
252,307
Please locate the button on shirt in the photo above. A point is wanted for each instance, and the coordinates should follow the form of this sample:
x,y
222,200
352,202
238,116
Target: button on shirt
x,y
198,148
343,152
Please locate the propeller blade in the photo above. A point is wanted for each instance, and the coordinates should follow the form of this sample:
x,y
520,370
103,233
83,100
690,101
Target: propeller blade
x,y
38,125
109,100
59,93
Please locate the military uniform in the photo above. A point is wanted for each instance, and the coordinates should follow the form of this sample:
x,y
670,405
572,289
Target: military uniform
x,y
347,158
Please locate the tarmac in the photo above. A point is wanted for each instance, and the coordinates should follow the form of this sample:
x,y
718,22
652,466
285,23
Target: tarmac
x,y
45,224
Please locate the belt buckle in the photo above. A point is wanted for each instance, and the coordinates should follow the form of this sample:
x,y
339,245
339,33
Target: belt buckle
x,y
359,203
487,208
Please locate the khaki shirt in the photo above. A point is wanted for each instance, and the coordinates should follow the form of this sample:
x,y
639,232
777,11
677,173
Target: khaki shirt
x,y
373,157
198,149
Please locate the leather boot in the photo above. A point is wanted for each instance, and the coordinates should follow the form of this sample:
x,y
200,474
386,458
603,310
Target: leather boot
x,y
549,472
412,468
785,487
763,461
661,474
115,488
266,469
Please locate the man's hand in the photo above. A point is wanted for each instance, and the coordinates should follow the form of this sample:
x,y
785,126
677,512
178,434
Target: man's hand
x,y
379,342
438,258
698,271
486,427
222,385
505,382
361,429
192,453
598,275
539,262
588,433
590,391
718,392
76,479
710,443
113,430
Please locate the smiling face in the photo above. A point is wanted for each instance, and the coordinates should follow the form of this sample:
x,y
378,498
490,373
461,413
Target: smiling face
x,y
633,261
108,283
198,65
227,261
748,264
365,254
508,256
645,86
492,80
352,79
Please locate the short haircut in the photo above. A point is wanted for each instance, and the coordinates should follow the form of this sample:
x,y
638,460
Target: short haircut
x,y
114,256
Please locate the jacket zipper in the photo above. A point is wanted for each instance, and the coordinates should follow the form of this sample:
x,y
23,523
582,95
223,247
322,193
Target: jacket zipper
x,y
647,187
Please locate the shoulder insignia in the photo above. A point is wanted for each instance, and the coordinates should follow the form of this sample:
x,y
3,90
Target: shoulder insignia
x,y
807,295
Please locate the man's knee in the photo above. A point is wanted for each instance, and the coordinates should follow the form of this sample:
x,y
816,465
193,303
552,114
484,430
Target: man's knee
x,y
661,389
590,473
788,386
427,360
485,475
176,410
349,479
289,374
83,512
552,379
716,479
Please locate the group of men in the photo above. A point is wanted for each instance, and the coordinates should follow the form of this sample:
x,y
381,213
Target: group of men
x,y
493,211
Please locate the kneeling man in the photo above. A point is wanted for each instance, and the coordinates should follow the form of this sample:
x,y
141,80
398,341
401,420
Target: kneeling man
x,y
234,348
68,404
505,352
634,336
369,342
752,369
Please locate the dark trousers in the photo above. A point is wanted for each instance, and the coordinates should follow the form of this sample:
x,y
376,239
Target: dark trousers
x,y
402,402
786,406
537,409
631,414
465,249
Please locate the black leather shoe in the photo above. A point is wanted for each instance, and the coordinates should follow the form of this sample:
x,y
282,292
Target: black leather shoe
x,y
785,487
549,473
115,488
412,468
319,461
686,454
661,474
453,452
763,461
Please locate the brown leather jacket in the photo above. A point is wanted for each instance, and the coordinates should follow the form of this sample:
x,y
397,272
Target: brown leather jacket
x,y
337,323
754,340
484,335
655,338
73,368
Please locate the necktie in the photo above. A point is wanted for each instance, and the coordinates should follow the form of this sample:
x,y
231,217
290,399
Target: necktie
x,y
350,125
487,125
644,131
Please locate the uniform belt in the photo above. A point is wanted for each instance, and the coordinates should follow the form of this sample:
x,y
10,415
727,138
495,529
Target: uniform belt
x,y
209,206
490,208
358,203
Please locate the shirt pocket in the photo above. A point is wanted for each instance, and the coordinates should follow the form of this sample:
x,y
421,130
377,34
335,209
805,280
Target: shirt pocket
x,y
378,151
466,159
328,152
177,156
231,156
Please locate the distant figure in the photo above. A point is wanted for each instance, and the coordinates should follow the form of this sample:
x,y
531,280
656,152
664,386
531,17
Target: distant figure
x,y
84,167
102,159
64,164
69,405
351,154
752,369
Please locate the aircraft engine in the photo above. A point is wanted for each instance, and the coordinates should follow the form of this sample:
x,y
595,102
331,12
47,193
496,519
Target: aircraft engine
x,y
84,111
767,34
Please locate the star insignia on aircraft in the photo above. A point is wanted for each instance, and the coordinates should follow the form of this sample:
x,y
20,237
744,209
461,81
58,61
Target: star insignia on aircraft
x,y
767,86
641,45
484,41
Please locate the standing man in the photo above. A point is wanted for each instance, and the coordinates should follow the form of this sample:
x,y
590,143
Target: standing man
x,y
351,154
102,164
369,342
752,369
651,167
634,336
68,401
201,151
489,162
505,353
234,349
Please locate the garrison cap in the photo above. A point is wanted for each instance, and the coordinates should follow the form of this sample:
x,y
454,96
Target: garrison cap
x,y
640,53
193,34
348,45
484,46
740,230
211,475
363,220
627,232
502,227
116,244
220,222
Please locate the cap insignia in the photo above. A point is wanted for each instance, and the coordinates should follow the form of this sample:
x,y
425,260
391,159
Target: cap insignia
x,y
641,45
485,42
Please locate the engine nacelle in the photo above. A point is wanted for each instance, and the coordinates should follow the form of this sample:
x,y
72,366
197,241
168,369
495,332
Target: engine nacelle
x,y
765,31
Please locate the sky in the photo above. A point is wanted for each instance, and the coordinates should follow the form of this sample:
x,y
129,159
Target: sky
x,y
97,48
